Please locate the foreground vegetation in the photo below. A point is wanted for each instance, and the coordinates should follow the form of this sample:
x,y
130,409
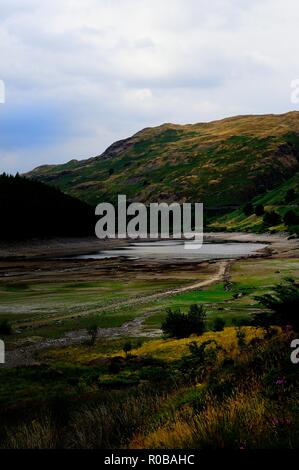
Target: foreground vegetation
x,y
230,385
217,391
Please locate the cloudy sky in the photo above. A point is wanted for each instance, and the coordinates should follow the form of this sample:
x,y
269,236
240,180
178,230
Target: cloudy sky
x,y
80,74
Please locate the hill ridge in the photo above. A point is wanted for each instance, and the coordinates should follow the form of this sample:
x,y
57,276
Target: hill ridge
x,y
221,163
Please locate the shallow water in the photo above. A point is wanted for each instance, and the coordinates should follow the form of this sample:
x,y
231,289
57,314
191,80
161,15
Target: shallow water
x,y
173,249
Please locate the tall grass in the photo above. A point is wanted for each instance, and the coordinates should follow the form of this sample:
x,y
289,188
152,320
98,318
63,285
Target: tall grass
x,y
246,400
105,424
261,410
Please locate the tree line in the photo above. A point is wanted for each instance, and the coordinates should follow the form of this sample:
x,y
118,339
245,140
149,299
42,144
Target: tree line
x,y
31,209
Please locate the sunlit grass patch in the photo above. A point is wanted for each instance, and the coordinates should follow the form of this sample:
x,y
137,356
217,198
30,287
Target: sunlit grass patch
x,y
240,422
82,353
214,293
165,349
247,273
174,349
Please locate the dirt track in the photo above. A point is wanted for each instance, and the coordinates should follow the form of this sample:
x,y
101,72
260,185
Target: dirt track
x,y
25,355
30,267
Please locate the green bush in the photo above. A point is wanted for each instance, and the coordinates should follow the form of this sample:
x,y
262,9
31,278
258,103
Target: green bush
x,y
127,347
248,209
294,230
271,218
219,324
282,305
259,210
290,195
92,331
180,325
291,218
200,361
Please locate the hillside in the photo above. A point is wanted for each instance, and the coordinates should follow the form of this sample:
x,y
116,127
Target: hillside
x,y
222,163
282,200
32,209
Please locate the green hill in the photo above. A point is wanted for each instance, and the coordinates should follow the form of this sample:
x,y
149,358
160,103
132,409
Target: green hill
x,y
282,200
223,164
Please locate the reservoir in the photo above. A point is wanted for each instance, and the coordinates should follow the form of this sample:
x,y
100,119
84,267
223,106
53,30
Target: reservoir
x,y
175,249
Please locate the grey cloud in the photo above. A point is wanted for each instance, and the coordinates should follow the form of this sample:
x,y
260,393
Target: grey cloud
x,y
111,68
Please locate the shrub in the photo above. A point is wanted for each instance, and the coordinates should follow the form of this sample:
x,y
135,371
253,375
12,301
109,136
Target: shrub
x,y
175,324
271,218
283,304
219,324
248,209
259,210
202,358
127,347
294,230
238,322
241,335
290,195
180,325
92,331
196,319
291,218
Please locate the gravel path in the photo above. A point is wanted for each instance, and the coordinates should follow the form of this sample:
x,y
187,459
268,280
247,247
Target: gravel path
x,y
25,355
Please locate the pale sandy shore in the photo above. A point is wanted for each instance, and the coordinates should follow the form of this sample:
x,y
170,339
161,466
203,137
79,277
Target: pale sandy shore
x,y
279,245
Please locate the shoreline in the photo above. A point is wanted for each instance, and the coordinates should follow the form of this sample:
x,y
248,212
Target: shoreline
x,y
38,264
57,247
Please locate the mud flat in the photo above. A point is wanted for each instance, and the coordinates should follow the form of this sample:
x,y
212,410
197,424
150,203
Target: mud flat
x,y
24,355
280,245
45,289
56,247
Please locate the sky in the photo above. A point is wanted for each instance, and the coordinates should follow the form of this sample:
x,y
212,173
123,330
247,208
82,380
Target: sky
x,y
81,74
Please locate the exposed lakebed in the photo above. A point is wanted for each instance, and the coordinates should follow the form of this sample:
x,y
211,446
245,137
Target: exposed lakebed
x,y
175,249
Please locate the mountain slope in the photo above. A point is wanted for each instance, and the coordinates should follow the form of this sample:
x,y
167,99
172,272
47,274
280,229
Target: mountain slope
x,y
221,163
276,200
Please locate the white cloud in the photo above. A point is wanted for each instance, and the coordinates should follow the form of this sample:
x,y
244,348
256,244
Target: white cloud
x,y
111,67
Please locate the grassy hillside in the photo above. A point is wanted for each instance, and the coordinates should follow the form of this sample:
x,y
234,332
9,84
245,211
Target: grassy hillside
x,y
282,199
173,400
222,163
